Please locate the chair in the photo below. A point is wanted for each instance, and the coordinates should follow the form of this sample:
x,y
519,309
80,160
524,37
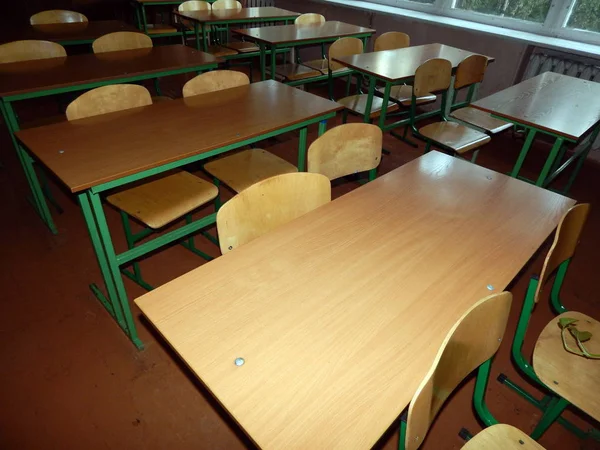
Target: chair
x,y
155,203
17,51
121,40
226,4
269,204
435,76
471,343
127,40
468,73
345,150
573,378
391,40
243,169
401,93
309,19
294,71
57,16
353,103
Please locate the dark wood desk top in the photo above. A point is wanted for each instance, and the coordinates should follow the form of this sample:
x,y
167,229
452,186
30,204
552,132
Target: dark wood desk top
x,y
335,344
557,103
297,33
41,75
396,65
64,32
234,15
108,147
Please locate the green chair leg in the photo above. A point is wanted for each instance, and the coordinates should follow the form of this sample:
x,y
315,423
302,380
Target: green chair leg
x,y
189,242
402,433
555,301
131,239
157,87
427,147
555,408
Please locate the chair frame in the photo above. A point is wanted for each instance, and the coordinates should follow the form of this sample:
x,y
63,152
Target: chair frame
x,y
551,405
133,238
481,382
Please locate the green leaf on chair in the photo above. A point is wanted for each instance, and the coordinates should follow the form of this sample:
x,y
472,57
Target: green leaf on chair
x,y
567,323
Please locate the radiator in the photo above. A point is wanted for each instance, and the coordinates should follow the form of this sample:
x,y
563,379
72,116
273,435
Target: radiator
x,y
542,62
566,64
257,3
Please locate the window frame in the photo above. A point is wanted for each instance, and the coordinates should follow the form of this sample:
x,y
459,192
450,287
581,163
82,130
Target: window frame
x,y
553,26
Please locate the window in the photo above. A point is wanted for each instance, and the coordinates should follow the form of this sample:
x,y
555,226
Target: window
x,y
577,20
529,10
585,15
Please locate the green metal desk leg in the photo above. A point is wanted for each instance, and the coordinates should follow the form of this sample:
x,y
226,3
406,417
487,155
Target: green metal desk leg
x,y
138,19
367,117
111,303
322,127
273,60
196,35
582,158
263,61
386,99
113,266
144,21
204,37
550,161
39,200
524,150
302,149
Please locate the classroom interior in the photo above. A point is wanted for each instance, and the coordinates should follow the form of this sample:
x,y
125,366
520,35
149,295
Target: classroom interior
x,y
72,379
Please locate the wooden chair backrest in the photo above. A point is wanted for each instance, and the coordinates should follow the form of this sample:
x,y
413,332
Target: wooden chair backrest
x,y
194,5
107,99
346,149
470,71
56,16
121,40
391,41
309,19
268,204
565,242
215,80
473,340
28,50
226,4
344,47
432,76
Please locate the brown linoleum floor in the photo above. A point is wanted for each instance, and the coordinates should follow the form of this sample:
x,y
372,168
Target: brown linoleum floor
x,y
70,379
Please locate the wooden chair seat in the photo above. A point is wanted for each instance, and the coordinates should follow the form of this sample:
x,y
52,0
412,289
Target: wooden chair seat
x,y
219,50
322,65
357,104
455,136
502,437
481,119
403,94
159,202
573,377
241,170
242,47
293,72
158,28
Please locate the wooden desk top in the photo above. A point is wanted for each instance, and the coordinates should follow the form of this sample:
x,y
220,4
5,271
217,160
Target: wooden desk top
x,y
557,103
234,15
396,65
108,147
44,74
282,34
340,313
63,32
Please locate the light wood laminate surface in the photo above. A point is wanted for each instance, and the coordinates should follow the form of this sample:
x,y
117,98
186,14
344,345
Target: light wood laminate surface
x,y
395,65
88,152
340,313
235,15
41,75
553,102
283,34
63,32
